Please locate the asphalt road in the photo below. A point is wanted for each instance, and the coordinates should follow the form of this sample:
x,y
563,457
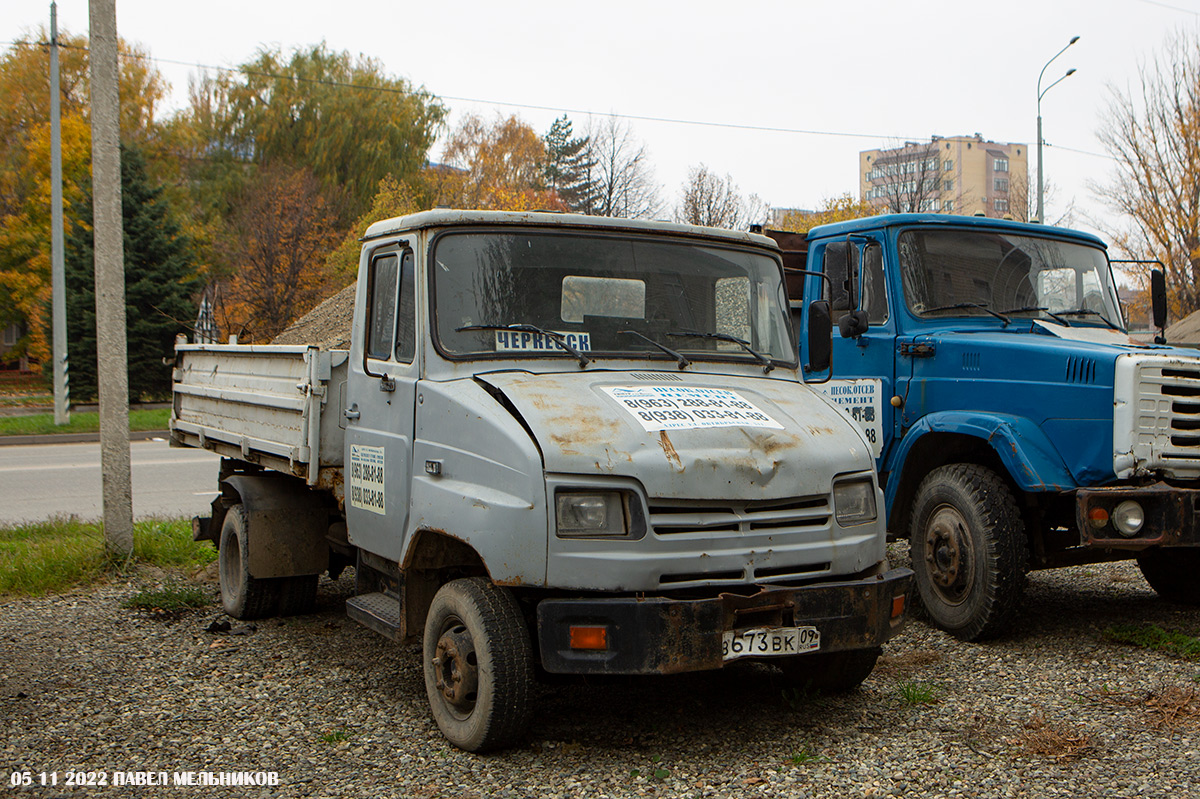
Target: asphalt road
x,y
44,480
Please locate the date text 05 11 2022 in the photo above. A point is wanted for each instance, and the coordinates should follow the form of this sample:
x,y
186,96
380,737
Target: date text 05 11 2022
x,y
79,778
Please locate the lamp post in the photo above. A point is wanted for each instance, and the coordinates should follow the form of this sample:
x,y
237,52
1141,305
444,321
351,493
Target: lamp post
x,y
1041,93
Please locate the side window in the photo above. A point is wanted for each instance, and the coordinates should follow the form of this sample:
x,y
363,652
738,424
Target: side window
x,y
381,327
874,289
406,325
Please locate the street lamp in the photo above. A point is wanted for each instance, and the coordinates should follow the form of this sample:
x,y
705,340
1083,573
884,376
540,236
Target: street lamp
x,y
1041,93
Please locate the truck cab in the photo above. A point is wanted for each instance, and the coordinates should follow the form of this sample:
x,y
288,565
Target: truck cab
x,y
1015,423
556,441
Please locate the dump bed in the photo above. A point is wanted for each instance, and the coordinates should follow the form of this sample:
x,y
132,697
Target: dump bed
x,y
272,405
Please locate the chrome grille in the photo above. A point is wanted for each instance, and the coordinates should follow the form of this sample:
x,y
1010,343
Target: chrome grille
x,y
1157,418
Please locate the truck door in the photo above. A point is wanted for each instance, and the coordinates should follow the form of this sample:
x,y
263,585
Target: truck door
x,y
863,379
380,403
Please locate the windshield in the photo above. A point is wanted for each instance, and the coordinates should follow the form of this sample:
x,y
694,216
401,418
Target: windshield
x,y
969,273
545,294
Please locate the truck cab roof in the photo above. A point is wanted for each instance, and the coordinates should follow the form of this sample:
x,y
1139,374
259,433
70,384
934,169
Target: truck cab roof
x,y
950,220
448,217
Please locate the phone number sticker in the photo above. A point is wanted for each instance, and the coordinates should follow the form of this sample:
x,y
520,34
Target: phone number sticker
x,y
366,478
688,408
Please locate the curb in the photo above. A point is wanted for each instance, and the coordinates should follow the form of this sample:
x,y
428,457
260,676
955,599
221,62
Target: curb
x,y
76,438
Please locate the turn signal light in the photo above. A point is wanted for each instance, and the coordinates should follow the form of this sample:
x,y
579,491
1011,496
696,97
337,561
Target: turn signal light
x,y
589,637
1098,517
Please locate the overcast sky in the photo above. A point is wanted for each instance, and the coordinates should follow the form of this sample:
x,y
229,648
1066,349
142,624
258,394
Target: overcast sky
x,y
834,77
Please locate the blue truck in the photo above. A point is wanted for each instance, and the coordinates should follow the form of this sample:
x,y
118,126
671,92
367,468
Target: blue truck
x,y
1015,424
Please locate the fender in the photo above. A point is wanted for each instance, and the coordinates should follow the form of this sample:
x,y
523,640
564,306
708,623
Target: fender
x,y
1030,458
287,520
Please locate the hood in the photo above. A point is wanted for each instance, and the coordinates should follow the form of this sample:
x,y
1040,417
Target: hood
x,y
686,435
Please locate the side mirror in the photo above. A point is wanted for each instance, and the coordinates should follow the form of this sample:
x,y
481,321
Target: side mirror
x,y
820,336
1158,297
853,324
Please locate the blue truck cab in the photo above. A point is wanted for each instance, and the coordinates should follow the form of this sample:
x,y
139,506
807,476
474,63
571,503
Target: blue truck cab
x,y
1015,424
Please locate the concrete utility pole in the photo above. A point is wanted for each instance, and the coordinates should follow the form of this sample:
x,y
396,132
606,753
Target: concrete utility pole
x,y
113,371
62,394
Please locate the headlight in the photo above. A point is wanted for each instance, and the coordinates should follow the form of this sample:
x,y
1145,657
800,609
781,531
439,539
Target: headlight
x,y
591,513
854,501
1128,518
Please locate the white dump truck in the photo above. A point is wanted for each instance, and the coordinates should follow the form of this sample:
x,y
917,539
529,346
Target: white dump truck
x,y
561,441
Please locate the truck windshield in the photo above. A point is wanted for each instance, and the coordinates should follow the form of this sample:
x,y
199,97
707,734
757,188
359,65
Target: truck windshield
x,y
985,273
546,294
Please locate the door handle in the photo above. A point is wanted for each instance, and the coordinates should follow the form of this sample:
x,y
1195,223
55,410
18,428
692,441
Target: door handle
x,y
352,412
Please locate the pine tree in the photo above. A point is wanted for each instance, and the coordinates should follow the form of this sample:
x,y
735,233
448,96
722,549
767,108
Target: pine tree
x,y
569,167
160,277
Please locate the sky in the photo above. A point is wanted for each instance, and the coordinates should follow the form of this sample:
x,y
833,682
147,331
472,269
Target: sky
x,y
780,96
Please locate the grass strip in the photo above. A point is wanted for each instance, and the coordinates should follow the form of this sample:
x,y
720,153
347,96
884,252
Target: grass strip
x,y
61,553
43,423
1151,636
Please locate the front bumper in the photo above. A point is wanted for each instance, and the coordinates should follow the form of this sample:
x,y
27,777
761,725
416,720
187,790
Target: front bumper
x,y
1170,516
661,635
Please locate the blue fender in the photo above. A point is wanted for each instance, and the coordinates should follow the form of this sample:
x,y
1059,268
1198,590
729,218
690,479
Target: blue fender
x,y
1031,459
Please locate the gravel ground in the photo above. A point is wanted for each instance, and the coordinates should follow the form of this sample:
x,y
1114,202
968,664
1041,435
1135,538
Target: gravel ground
x,y
1051,710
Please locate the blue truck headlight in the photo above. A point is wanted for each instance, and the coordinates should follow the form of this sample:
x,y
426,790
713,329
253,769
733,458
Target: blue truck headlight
x,y
854,501
1128,518
589,513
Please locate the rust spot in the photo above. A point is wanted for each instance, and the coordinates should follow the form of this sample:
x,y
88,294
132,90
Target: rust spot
x,y
669,449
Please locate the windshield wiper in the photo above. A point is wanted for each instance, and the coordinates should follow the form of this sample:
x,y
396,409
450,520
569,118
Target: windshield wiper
x,y
766,363
557,338
1030,309
1090,312
960,305
683,362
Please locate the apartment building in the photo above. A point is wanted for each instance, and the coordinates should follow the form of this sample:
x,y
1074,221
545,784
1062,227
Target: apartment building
x,y
950,175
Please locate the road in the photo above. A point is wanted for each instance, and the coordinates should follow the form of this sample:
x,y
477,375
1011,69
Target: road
x,y
44,480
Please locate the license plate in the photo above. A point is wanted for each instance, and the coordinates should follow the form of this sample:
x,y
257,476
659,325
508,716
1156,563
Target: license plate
x,y
770,642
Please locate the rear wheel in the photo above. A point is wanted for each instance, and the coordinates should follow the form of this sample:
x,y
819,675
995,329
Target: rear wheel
x,y
968,549
478,665
242,596
1174,572
830,672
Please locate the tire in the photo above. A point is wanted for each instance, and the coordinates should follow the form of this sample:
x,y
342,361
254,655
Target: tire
x,y
1172,572
298,595
478,665
969,551
830,672
242,596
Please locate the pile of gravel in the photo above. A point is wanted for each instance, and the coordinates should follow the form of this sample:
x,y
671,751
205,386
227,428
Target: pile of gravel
x,y
1053,709
327,325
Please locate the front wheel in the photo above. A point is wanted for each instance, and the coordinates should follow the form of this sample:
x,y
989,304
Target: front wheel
x,y
968,550
478,665
1172,572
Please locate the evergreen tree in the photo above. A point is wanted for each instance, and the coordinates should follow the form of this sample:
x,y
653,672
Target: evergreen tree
x,y
569,166
160,277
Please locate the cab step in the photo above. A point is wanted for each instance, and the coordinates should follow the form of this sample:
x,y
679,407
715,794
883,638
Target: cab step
x,y
379,611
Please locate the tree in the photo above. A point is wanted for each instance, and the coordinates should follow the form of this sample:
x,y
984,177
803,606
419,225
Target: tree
x,y
905,179
708,199
394,198
160,277
569,166
282,230
25,165
835,209
341,118
1152,131
497,165
622,174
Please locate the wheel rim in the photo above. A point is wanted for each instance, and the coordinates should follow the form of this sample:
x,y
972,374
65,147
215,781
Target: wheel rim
x,y
949,558
456,668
